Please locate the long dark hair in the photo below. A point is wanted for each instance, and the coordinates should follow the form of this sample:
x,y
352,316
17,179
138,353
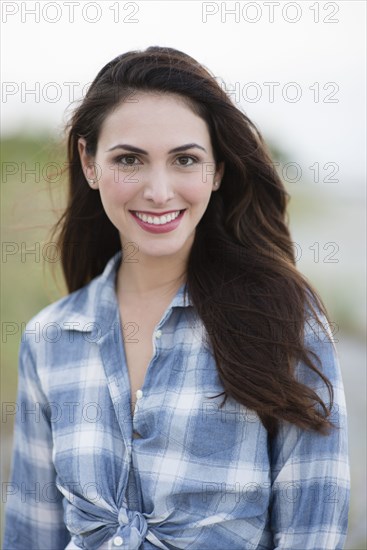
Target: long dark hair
x,y
241,272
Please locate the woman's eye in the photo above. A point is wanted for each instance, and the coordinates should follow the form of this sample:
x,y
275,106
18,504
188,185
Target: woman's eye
x,y
132,160
185,159
127,160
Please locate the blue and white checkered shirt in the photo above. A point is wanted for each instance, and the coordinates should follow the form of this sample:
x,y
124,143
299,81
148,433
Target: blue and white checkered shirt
x,y
181,472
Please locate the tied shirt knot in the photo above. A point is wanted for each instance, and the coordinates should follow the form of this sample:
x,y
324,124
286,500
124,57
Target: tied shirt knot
x,y
127,528
133,528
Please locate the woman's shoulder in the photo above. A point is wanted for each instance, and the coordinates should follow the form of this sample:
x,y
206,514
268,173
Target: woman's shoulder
x,y
76,307
320,341
79,307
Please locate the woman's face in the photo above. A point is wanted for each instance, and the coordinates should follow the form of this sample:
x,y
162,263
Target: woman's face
x,y
154,156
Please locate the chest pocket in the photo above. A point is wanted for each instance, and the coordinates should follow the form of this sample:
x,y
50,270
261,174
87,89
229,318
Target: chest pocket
x,y
196,424
212,431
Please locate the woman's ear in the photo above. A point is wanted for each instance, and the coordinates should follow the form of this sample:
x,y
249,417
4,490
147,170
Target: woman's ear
x,y
88,164
219,171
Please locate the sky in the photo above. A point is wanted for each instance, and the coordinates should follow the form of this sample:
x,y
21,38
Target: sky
x,y
297,69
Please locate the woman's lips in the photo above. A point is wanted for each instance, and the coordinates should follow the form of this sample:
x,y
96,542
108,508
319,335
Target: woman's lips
x,y
164,228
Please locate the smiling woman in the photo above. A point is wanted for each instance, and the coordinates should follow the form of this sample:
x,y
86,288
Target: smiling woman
x,y
182,288
140,185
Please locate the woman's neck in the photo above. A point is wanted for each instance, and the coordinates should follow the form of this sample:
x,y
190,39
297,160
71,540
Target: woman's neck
x,y
153,278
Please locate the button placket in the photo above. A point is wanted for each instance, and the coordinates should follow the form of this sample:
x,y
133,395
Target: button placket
x,y
138,418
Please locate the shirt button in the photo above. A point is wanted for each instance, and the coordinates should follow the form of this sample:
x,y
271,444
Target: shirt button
x,y
118,541
158,333
139,394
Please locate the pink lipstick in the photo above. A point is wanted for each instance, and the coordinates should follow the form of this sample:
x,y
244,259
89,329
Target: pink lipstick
x,y
163,228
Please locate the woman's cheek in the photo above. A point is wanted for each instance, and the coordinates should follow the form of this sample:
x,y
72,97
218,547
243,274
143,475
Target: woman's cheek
x,y
118,186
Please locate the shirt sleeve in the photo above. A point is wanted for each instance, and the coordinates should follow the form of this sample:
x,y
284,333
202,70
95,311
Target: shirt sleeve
x,y
33,504
310,471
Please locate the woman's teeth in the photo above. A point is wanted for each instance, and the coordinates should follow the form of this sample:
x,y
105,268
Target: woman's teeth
x,y
158,220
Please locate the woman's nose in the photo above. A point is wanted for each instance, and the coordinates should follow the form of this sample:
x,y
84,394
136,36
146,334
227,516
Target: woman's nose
x,y
158,186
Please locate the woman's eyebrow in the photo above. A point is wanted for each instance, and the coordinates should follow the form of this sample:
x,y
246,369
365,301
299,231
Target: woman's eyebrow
x,y
134,149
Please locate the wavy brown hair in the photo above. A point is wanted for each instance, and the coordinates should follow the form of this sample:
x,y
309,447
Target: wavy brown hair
x,y
241,272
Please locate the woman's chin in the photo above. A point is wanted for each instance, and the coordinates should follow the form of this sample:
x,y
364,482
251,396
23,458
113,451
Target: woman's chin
x,y
159,251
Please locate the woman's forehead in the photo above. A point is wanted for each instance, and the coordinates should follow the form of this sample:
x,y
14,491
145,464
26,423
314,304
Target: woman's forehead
x,y
154,117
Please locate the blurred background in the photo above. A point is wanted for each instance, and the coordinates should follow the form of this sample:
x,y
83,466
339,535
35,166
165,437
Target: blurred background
x,y
297,70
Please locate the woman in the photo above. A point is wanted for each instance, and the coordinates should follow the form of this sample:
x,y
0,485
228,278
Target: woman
x,y
186,393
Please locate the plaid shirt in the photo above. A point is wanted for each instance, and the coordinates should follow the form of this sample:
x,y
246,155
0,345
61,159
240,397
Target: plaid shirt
x,y
181,472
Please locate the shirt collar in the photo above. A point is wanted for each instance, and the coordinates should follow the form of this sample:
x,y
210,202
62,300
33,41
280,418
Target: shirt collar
x,y
94,307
